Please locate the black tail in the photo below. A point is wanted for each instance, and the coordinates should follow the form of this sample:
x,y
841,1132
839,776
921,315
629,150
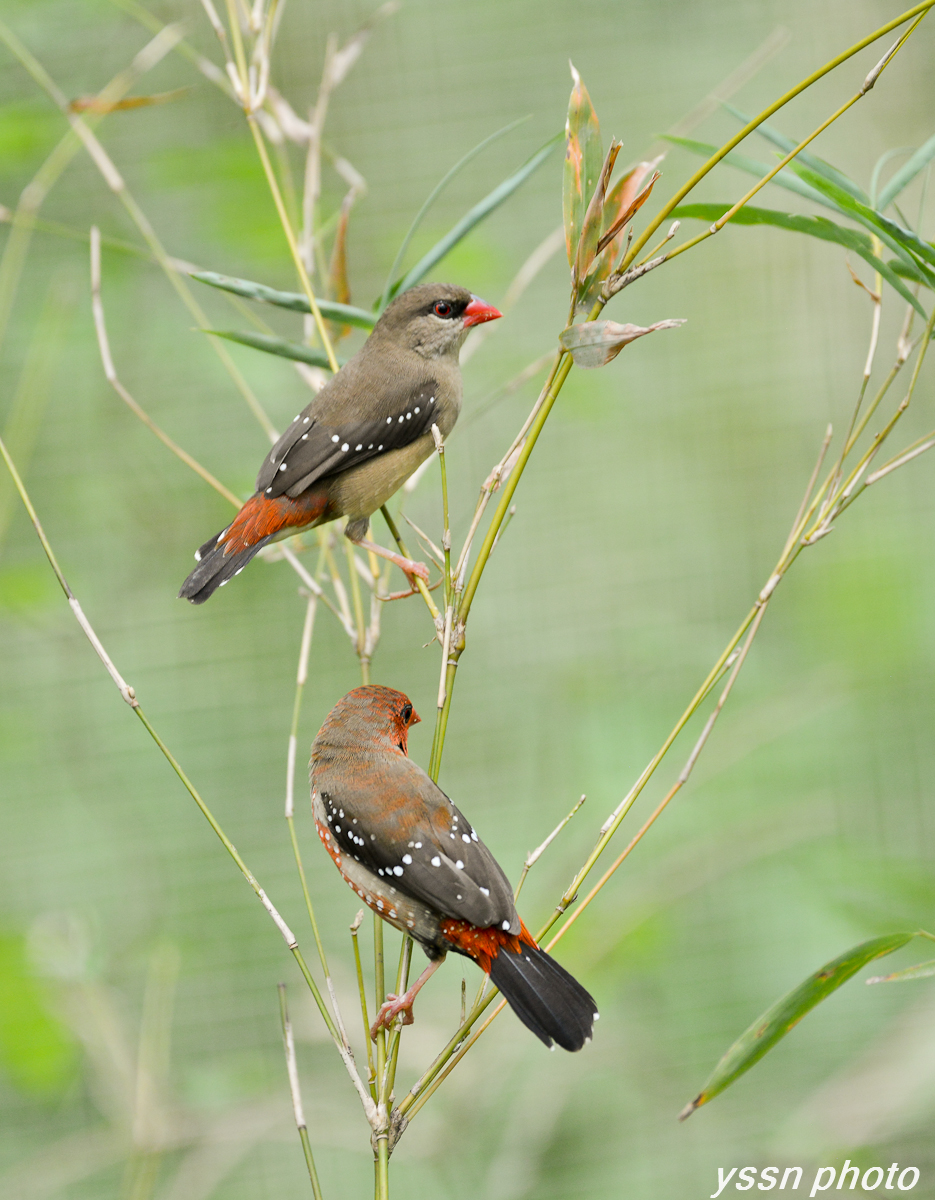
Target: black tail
x,y
215,568
544,996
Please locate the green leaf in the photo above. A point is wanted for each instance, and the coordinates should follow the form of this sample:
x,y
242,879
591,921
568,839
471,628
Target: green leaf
x,y
432,197
295,301
899,267
584,154
786,1013
921,971
37,1052
473,218
785,178
819,227
903,241
818,165
278,346
904,176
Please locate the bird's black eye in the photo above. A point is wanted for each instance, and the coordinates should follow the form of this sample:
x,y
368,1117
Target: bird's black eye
x,y
441,308
406,714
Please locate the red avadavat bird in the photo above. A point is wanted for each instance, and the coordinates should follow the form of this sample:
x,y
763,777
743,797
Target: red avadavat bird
x,y
361,437
414,858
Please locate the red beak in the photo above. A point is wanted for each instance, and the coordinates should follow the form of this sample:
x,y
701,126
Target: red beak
x,y
479,311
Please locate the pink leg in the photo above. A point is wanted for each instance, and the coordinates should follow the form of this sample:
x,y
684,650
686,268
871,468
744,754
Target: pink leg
x,y
408,566
394,1005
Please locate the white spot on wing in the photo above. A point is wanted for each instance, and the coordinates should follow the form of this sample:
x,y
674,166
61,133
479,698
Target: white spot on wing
x,y
335,438
436,861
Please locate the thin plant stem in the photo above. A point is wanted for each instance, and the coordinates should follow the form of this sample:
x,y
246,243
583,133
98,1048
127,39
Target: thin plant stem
x,y
358,613
758,120
402,982
784,162
115,182
24,219
97,308
290,238
371,1073
297,1107
129,696
397,538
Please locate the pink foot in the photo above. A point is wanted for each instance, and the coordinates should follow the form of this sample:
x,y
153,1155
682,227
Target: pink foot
x,y
409,567
390,1009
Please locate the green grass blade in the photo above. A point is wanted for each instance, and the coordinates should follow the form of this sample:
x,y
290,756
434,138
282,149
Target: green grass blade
x,y
785,144
277,346
473,218
782,1016
432,197
819,227
920,971
906,272
902,241
752,166
295,301
906,173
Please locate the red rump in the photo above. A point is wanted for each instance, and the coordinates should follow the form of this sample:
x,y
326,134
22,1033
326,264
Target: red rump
x,y
483,945
264,516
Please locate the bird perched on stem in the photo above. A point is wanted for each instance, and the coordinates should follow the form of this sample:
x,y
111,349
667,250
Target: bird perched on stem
x,y
414,858
361,437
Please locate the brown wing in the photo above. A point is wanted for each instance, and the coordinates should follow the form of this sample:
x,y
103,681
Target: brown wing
x,y
318,443
421,843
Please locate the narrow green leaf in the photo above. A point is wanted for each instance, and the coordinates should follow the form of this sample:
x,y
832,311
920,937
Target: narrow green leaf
x,y
899,267
903,241
295,301
432,197
818,165
819,227
473,218
782,1016
785,178
906,173
278,346
921,971
584,155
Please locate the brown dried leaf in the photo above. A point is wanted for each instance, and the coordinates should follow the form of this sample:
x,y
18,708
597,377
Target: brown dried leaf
x,y
594,217
584,155
629,212
596,343
94,104
618,203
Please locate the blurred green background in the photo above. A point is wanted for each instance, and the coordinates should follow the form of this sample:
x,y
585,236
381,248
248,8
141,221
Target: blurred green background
x,y
656,503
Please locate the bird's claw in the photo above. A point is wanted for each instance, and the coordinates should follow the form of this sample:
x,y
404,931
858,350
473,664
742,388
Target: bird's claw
x,y
390,1009
411,569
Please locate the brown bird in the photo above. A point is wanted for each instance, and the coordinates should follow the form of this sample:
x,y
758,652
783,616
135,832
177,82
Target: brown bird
x,y
361,437
413,857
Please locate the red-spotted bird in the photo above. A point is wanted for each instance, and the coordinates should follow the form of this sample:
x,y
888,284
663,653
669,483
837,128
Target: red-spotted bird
x,y
361,437
416,860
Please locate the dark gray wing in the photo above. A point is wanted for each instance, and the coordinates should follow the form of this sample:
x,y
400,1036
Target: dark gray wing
x,y
438,859
313,447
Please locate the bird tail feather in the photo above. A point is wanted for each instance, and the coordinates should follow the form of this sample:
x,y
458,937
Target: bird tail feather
x,y
215,567
259,521
548,1000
